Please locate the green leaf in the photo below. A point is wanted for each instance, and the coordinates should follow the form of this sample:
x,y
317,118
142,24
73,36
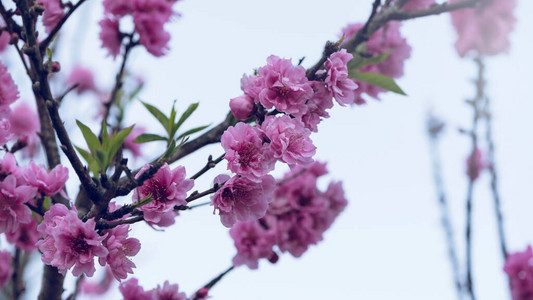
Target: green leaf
x,y
91,163
148,137
170,150
90,137
359,61
116,142
101,159
105,136
185,116
172,121
191,131
379,80
49,53
163,120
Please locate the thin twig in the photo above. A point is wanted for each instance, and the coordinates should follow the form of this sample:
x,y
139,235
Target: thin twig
x,y
209,165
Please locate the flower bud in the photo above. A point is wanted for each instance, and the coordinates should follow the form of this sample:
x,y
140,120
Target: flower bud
x,y
241,107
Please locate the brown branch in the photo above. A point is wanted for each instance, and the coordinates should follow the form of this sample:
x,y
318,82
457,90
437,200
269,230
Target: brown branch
x,y
46,42
209,165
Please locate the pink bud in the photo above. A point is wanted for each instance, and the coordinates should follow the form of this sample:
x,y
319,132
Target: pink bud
x,y
241,107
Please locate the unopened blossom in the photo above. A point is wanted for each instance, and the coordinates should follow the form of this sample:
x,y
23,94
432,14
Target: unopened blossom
x,y
131,290
519,268
98,288
476,163
484,30
25,237
242,106
53,13
169,292
134,148
68,242
83,77
417,4
253,240
341,87
242,199
13,210
289,140
245,151
167,188
317,106
9,92
110,35
285,87
8,166
6,270
120,248
48,183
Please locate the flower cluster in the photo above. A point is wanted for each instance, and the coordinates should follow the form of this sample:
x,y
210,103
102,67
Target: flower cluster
x,y
131,290
69,242
388,38
167,189
519,268
296,219
149,18
484,30
285,87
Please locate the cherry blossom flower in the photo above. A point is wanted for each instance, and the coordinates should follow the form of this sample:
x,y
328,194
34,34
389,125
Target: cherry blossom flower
x,y
25,237
131,290
53,13
520,271
285,86
110,35
245,152
9,92
98,288
169,292
48,183
83,77
341,87
317,106
167,189
484,30
13,210
289,140
120,247
253,240
242,199
69,242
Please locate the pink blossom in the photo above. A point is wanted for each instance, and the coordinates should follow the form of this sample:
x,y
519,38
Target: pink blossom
x,y
5,131
253,240
48,183
241,107
53,13
8,166
285,86
476,163
110,35
317,106
131,290
341,87
83,77
296,232
25,237
167,189
289,139
152,34
242,199
24,121
120,247
484,30
417,4
13,210
98,288
9,92
133,147
245,152
69,242
5,267
118,7
169,292
252,86
519,268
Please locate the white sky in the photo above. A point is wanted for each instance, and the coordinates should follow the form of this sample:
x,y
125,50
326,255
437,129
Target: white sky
x,y
388,244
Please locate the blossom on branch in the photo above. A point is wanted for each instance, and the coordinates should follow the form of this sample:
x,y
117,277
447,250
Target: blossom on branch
x,y
519,268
